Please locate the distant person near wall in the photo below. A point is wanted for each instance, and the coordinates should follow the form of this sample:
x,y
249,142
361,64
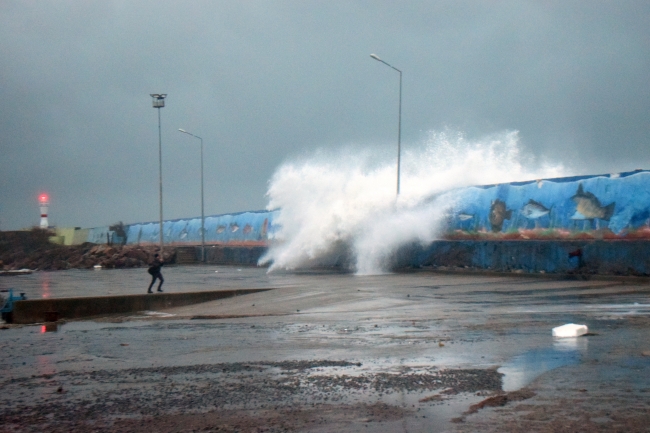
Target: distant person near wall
x,y
154,271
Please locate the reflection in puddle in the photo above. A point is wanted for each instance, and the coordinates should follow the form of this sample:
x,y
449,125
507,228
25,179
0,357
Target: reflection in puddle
x,y
524,368
634,309
45,286
157,314
49,327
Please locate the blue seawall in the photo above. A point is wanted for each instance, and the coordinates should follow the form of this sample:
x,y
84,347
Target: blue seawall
x,y
529,226
244,228
253,228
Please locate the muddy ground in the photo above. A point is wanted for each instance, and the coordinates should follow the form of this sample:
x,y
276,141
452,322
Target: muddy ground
x,y
338,353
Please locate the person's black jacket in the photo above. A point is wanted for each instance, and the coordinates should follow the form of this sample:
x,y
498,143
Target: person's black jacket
x,y
155,266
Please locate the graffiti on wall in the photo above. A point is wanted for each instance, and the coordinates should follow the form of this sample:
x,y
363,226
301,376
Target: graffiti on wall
x,y
611,206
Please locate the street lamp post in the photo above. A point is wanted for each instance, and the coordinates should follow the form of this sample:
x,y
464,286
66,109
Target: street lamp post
x,y
159,102
399,124
202,209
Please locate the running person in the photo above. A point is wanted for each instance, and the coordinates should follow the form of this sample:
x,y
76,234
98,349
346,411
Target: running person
x,y
154,270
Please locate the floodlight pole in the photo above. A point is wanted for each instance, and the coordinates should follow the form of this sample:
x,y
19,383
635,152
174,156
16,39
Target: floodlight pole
x,y
159,102
399,121
202,208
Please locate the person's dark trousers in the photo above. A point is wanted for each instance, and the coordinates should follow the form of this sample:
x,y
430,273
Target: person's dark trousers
x,y
154,277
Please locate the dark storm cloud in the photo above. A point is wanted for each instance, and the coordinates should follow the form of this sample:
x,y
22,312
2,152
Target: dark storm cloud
x,y
264,81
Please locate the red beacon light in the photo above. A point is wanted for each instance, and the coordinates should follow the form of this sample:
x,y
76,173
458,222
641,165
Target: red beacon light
x,y
44,203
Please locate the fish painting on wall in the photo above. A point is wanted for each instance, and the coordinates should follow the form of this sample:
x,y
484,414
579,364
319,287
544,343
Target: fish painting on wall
x,y
588,207
533,210
498,214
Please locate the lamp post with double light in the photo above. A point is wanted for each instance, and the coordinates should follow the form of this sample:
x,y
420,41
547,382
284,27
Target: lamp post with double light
x,y
202,209
399,124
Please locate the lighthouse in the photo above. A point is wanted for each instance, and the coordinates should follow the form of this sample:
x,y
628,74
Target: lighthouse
x,y
44,203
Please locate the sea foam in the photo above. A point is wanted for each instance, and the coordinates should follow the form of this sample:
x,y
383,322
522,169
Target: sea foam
x,y
342,207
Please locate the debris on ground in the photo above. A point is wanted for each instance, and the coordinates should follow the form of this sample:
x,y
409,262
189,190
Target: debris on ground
x,y
570,330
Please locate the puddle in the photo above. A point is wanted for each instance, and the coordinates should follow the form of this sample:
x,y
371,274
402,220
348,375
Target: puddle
x,y
49,327
96,326
524,368
633,309
157,314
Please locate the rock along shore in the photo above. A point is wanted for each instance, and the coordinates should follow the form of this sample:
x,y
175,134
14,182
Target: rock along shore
x,y
33,250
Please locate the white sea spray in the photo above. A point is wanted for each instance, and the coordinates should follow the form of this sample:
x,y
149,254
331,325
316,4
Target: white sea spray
x,y
346,203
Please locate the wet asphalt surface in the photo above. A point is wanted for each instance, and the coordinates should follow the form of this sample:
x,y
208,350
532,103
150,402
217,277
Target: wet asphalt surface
x,y
419,352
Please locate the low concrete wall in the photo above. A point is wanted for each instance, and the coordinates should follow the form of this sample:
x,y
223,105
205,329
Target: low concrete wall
x,y
598,257
232,255
606,257
71,235
42,310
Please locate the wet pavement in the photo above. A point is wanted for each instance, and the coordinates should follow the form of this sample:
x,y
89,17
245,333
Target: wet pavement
x,y
105,282
416,352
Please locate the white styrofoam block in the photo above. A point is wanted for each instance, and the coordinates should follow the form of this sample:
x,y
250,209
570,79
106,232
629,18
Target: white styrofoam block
x,y
570,330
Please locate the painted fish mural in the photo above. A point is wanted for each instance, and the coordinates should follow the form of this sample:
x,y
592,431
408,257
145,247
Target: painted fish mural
x,y
253,228
497,211
498,214
533,210
612,206
588,207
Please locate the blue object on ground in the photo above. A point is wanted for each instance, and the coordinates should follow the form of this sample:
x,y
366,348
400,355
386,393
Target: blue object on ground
x,y
8,306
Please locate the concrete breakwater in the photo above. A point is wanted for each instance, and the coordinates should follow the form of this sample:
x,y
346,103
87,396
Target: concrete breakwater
x,y
604,257
51,310
586,256
534,256
33,250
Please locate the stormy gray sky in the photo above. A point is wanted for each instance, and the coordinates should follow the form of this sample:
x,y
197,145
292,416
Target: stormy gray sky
x,y
265,81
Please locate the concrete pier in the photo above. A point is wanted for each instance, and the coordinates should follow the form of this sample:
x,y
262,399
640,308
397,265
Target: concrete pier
x,y
50,310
